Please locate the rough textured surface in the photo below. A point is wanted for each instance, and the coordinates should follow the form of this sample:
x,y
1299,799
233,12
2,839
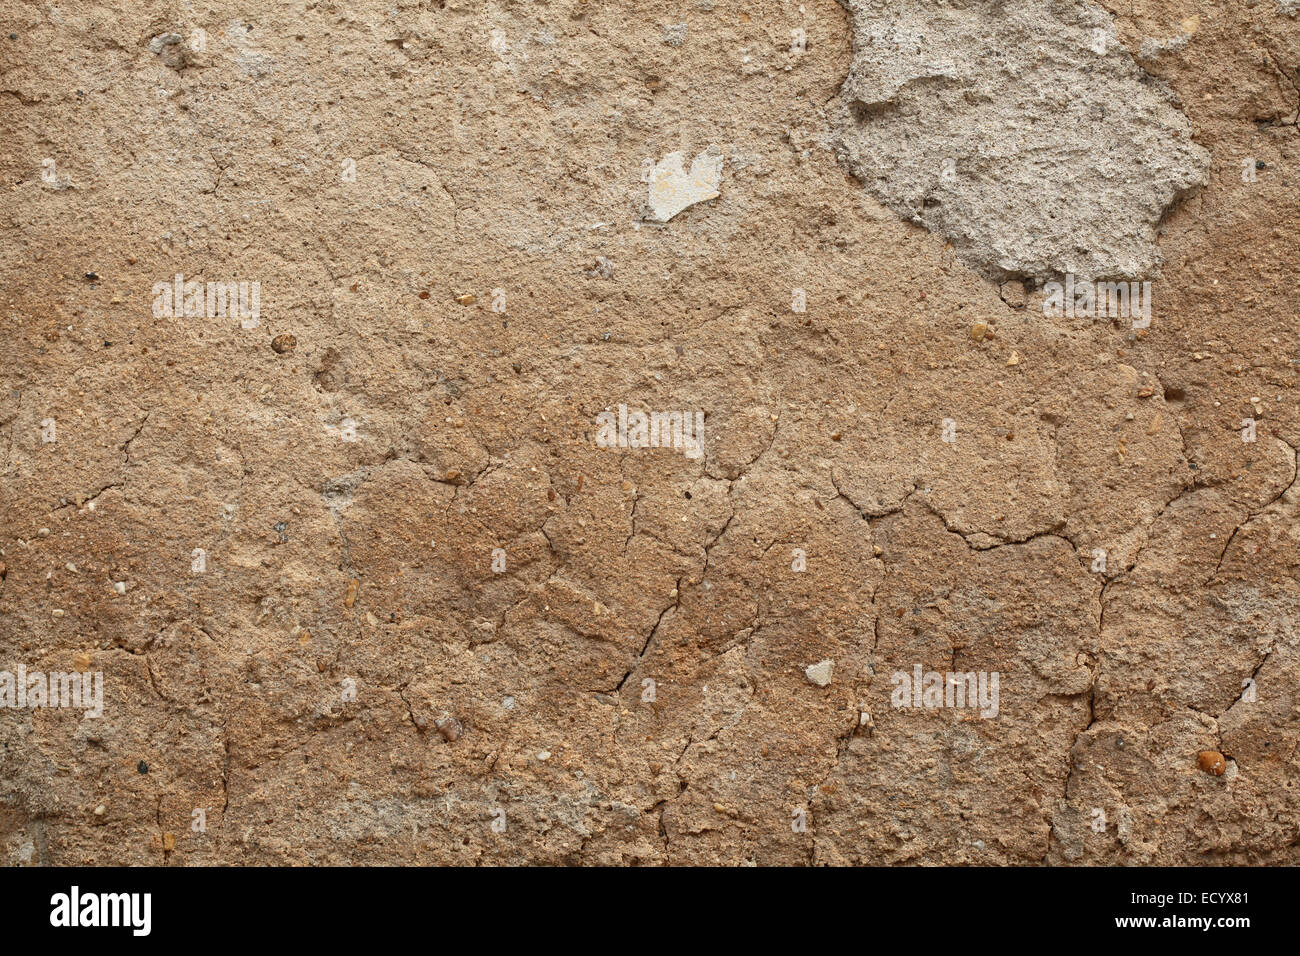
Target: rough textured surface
x,y
437,622
1021,130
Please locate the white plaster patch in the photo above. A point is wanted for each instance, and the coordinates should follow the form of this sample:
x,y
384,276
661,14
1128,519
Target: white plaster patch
x,y
672,189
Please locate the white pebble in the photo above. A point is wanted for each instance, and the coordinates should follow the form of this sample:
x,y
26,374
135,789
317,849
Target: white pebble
x,y
820,673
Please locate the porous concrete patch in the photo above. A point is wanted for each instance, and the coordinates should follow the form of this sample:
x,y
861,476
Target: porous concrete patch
x,y
1023,132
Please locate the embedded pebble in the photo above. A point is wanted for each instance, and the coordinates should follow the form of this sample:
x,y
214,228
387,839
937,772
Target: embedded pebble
x,y
1212,762
820,673
450,728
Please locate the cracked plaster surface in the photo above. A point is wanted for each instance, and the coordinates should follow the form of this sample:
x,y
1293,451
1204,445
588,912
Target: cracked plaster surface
x,y
351,464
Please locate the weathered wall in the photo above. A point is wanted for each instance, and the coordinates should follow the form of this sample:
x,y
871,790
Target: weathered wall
x,y
448,208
